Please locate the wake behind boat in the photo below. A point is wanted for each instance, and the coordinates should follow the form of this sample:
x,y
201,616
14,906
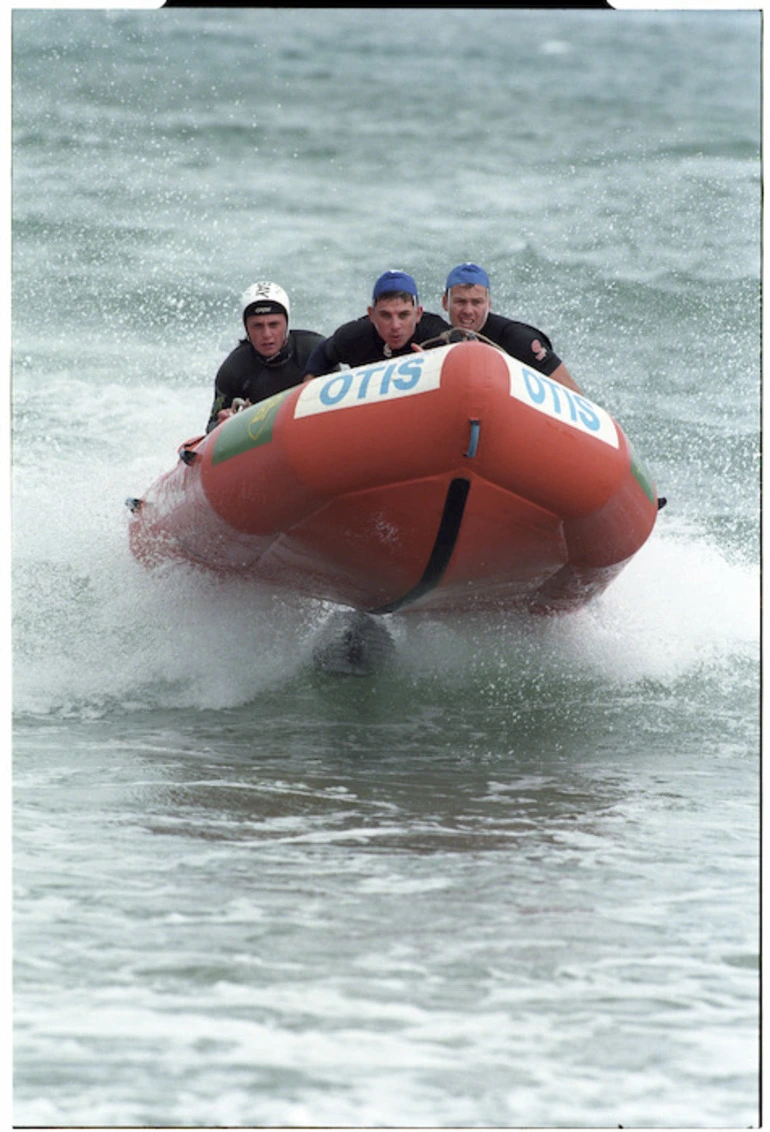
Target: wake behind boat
x,y
454,479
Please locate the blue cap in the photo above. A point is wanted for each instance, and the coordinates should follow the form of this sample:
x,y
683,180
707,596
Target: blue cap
x,y
467,274
394,281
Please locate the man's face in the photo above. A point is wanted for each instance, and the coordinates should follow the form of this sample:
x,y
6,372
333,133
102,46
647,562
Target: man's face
x,y
267,332
395,320
467,305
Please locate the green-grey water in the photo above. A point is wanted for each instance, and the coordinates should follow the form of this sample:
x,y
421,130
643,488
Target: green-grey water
x,y
513,881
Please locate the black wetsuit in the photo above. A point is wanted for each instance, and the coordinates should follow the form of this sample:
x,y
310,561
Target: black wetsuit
x,y
525,343
245,373
357,343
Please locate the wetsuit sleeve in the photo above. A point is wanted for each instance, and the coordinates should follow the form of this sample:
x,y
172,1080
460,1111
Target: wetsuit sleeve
x,y
430,326
322,359
226,388
350,343
307,342
528,344
538,352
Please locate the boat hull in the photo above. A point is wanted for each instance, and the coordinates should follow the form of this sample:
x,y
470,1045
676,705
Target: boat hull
x,y
452,479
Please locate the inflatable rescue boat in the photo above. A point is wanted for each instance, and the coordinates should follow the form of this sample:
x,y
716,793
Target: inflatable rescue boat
x,y
455,479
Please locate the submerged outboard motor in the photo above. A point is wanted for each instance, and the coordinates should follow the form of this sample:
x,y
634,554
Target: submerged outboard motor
x,y
352,644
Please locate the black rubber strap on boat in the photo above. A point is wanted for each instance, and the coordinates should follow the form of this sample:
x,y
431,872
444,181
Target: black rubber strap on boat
x,y
449,529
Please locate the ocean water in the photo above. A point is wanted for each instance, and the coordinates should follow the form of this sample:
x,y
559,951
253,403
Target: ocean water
x,y
512,881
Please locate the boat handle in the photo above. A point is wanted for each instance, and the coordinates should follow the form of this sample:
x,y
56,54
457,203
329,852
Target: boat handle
x,y
473,443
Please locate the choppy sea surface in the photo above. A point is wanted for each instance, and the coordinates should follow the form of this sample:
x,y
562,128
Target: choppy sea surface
x,y
513,881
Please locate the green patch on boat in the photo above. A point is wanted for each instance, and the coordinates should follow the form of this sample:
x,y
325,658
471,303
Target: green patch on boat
x,y
248,429
643,477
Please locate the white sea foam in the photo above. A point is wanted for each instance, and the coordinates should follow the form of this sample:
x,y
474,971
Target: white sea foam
x,y
93,627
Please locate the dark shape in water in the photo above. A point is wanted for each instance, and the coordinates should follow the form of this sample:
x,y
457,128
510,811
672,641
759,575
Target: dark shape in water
x,y
352,644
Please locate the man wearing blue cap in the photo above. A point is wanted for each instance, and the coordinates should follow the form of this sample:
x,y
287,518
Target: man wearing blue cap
x,y
394,324
468,303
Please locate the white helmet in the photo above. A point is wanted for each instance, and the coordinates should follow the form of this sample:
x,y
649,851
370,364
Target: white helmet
x,y
268,296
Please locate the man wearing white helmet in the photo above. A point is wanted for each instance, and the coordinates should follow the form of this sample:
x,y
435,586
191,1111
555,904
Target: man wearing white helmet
x,y
269,359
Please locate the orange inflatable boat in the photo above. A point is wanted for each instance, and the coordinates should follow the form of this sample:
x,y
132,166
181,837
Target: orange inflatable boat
x,y
454,479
